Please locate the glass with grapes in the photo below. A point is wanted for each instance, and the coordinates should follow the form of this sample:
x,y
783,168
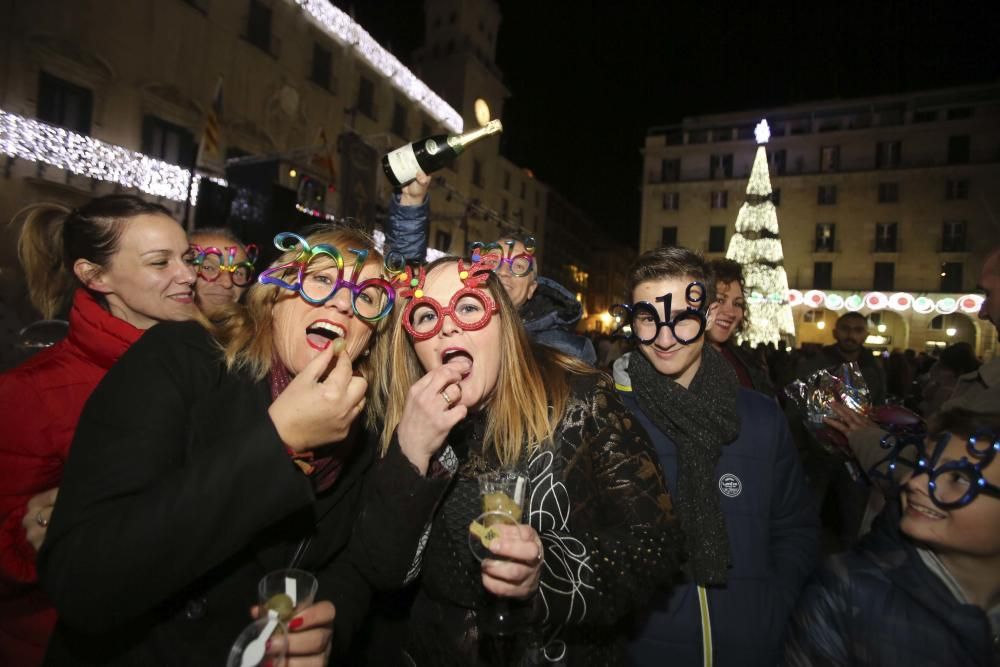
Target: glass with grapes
x,y
281,594
503,494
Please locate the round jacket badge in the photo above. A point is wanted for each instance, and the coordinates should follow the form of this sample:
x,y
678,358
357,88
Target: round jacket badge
x,y
730,485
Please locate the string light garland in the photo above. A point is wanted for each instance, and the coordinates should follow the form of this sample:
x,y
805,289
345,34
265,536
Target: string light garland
x,y
36,141
339,25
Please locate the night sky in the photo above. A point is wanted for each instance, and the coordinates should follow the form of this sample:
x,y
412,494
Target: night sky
x,y
588,78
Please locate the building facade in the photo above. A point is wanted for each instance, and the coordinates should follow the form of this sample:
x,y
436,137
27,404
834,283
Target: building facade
x,y
886,195
298,76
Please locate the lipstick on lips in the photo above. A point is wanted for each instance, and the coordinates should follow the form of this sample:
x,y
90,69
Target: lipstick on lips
x,y
322,332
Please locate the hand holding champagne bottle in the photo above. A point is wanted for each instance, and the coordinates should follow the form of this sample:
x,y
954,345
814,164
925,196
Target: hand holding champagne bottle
x,y
428,155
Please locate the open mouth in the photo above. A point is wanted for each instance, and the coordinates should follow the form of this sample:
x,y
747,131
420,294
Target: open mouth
x,y
923,510
321,333
459,359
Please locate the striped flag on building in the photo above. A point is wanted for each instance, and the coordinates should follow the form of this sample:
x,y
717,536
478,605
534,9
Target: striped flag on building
x,y
210,151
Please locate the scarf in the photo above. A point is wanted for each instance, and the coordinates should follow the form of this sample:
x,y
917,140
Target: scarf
x,y
699,420
322,470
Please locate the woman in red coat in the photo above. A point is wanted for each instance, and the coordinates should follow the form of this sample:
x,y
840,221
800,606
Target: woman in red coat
x,y
129,263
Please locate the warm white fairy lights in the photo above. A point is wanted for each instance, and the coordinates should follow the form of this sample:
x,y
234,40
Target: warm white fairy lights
x,y
339,25
756,246
35,141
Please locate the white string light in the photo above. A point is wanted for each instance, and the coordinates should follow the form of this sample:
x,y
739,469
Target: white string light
x,y
339,25
35,141
757,248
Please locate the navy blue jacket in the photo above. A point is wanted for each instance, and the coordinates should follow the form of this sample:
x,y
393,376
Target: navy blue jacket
x,y
880,605
773,538
406,228
549,317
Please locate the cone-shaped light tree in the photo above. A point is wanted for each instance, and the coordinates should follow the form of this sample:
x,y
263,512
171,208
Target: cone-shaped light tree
x,y
757,246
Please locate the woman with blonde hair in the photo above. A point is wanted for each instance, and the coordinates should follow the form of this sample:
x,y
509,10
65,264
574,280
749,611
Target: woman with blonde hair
x,y
212,455
469,395
120,265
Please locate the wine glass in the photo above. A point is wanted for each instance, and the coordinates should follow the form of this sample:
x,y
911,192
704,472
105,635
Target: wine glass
x,y
282,594
502,494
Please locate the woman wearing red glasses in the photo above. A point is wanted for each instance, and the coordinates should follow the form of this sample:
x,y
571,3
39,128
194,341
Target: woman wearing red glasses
x,y
470,395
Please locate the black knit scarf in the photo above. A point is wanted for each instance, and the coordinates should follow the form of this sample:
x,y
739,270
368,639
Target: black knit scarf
x,y
699,420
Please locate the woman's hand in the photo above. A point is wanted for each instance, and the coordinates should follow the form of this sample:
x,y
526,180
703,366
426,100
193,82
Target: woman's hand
x,y
309,636
415,191
314,411
516,577
433,407
37,516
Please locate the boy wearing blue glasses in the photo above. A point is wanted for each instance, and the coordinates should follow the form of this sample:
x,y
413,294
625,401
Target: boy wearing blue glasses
x,y
923,588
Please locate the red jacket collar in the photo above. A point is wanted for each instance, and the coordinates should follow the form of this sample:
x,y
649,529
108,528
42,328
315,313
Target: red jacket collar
x,y
97,333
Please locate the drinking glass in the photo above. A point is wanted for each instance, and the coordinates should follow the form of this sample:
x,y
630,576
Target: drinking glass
x,y
503,495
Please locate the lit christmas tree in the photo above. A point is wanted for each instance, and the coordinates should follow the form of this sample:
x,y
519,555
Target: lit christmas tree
x,y
756,245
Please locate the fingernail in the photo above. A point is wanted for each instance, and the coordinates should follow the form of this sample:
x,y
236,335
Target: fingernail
x,y
295,624
338,345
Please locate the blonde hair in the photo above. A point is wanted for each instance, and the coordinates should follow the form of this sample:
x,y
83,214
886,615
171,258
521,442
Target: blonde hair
x,y
245,332
53,237
529,398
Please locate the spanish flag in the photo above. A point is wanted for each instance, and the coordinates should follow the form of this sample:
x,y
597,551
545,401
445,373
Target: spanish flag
x,y
210,152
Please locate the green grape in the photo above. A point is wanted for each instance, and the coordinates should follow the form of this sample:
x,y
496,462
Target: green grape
x,y
282,605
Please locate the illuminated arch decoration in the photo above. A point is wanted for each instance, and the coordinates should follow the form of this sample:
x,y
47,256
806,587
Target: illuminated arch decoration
x,y
815,298
946,306
876,300
834,301
971,303
899,302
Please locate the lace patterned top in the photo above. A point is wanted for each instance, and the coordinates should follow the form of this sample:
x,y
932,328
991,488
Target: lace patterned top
x,y
598,502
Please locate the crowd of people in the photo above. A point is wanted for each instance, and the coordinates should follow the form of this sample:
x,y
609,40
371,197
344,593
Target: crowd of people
x,y
208,421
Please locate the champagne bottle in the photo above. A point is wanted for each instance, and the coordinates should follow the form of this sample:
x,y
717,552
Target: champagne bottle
x,y
430,154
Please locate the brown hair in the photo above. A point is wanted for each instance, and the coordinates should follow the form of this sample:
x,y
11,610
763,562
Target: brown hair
x,y
246,332
669,262
963,422
730,271
53,237
531,392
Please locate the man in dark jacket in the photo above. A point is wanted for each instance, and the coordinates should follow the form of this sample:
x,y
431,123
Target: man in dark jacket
x,y
548,310
829,479
738,488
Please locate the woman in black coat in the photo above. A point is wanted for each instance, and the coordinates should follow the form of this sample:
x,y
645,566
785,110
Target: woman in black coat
x,y
206,459
469,395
